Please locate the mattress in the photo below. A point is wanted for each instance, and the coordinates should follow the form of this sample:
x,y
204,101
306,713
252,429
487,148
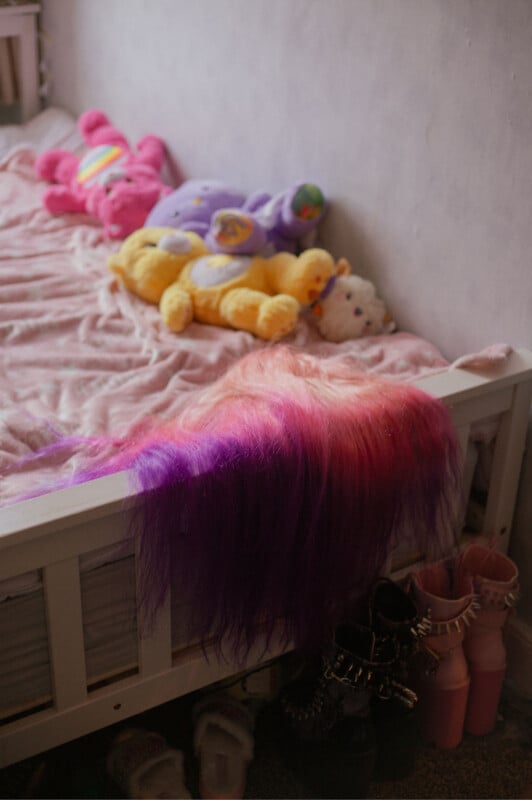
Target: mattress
x,y
80,356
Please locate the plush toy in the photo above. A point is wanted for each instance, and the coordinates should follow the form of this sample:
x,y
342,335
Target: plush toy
x,y
256,294
350,308
191,206
289,219
230,223
111,181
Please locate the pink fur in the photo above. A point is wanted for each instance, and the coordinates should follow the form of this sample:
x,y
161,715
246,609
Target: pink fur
x,y
122,203
275,497
280,492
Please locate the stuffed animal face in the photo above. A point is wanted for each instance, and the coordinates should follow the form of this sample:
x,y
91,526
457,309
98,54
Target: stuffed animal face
x,y
192,205
151,259
123,203
351,309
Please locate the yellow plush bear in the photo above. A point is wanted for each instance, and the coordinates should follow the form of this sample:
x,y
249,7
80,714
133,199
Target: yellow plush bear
x,y
261,295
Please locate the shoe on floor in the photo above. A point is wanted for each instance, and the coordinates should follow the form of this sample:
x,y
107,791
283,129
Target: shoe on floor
x,y
143,765
223,743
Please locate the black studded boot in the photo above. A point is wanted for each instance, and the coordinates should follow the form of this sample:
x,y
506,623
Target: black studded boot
x,y
394,617
328,733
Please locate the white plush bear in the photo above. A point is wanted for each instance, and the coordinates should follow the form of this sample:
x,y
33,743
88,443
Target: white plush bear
x,y
350,308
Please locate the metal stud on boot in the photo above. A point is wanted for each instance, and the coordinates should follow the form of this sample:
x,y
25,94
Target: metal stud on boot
x,y
394,615
355,664
495,580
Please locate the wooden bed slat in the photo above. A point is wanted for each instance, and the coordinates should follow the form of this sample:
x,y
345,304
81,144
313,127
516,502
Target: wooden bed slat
x,y
64,616
506,467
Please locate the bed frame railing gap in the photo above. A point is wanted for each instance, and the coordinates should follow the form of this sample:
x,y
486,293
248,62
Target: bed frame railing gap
x,y
154,637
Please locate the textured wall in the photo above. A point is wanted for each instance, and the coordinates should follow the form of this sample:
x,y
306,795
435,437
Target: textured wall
x,y
415,116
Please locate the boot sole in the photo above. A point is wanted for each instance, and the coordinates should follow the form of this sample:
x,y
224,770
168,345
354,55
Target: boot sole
x,y
483,703
442,715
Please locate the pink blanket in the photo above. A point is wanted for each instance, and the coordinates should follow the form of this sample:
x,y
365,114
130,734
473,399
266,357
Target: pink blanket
x,y
81,356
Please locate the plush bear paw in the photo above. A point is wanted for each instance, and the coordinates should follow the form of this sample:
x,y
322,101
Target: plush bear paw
x,y
277,316
61,200
56,166
176,308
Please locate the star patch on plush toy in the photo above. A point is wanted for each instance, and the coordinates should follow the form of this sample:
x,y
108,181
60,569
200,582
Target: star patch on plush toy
x,y
230,222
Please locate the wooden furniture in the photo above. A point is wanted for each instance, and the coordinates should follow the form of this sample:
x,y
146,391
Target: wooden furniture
x,y
18,23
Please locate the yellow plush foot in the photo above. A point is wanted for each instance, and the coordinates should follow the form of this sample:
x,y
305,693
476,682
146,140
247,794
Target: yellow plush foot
x,y
277,316
176,308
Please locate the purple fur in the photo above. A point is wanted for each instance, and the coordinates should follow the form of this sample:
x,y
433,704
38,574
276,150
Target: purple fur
x,y
289,532
271,505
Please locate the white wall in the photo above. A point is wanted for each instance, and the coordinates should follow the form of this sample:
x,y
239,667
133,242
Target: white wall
x,y
415,116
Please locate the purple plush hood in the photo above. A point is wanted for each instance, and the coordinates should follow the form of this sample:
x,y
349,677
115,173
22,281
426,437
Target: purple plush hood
x,y
192,205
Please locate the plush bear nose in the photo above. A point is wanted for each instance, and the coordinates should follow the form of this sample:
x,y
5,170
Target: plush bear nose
x,y
175,243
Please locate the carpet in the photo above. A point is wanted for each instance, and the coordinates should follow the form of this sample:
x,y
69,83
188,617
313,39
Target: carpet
x,y
498,765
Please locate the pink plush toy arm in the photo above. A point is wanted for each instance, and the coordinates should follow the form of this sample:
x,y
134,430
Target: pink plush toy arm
x,y
151,151
57,166
63,200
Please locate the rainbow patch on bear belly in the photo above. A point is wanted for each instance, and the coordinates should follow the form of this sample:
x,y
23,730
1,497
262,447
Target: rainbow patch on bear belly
x,y
101,164
215,270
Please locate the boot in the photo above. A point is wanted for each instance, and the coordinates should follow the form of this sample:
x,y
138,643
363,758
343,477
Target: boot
x,y
393,614
495,581
444,592
328,734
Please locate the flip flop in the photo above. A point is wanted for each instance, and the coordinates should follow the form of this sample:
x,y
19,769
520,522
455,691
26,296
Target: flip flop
x,y
223,743
143,765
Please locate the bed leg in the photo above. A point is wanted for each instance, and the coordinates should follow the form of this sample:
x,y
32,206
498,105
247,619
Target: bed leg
x,y
507,460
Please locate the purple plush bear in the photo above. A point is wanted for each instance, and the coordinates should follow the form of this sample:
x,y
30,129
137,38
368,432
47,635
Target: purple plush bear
x,y
230,223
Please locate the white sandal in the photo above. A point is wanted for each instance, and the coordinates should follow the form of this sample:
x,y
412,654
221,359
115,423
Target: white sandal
x,y
143,765
223,743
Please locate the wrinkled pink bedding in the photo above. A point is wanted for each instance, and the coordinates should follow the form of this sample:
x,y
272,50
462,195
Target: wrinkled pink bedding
x,y
80,356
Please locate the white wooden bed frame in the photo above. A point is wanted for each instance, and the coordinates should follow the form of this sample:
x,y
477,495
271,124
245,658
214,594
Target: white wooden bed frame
x,y
52,531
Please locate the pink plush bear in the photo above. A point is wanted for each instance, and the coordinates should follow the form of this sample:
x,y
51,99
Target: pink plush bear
x,y
112,182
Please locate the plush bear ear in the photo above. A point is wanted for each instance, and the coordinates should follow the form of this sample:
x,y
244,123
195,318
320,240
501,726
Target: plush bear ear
x,y
343,267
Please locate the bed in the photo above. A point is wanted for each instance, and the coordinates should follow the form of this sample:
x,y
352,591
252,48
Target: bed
x,y
80,357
